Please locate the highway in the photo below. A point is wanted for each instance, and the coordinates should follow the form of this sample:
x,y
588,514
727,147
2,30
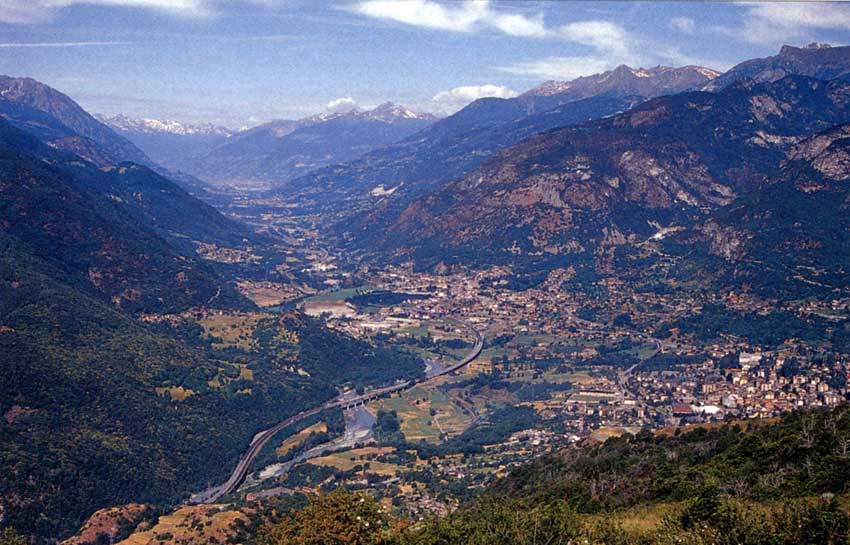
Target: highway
x,y
260,440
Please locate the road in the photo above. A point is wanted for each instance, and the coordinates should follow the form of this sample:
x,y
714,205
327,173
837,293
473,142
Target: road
x,y
260,440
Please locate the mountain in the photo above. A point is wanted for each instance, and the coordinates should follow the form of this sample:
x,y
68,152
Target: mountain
x,y
282,150
820,61
34,97
155,126
373,190
169,143
566,194
626,81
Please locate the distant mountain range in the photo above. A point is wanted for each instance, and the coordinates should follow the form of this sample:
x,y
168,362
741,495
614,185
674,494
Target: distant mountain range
x,y
155,126
282,150
171,144
277,152
626,81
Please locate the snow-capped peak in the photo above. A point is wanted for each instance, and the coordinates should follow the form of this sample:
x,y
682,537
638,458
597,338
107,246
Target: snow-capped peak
x,y
123,123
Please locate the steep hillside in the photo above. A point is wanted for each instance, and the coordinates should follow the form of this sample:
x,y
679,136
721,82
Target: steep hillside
x,y
565,194
791,236
107,231
98,409
282,150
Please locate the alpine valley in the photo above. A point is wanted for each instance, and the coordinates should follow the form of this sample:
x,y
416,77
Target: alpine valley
x,y
611,309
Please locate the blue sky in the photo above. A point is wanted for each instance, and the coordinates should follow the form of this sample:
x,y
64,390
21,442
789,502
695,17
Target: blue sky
x,y
243,62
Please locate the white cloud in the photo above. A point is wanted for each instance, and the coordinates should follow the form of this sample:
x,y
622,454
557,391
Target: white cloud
x,y
771,23
684,24
448,102
343,104
469,16
609,43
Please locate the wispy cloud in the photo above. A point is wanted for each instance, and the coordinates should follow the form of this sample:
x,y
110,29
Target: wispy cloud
x,y
558,68
479,15
448,102
772,23
61,44
609,46
35,11
684,24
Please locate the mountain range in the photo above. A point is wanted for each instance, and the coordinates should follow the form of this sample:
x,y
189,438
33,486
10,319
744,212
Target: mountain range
x,y
169,143
369,193
567,191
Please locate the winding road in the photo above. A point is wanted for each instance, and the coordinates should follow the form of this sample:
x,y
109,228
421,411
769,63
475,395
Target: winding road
x,y
241,470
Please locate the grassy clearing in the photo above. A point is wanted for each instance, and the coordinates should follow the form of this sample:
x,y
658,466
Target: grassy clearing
x,y
349,459
267,294
177,393
233,329
338,295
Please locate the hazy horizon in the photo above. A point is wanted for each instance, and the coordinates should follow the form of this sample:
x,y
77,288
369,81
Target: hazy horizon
x,y
243,63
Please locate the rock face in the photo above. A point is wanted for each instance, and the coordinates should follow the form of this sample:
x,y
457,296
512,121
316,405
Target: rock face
x,y
626,81
792,235
282,150
672,160
816,60
53,116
